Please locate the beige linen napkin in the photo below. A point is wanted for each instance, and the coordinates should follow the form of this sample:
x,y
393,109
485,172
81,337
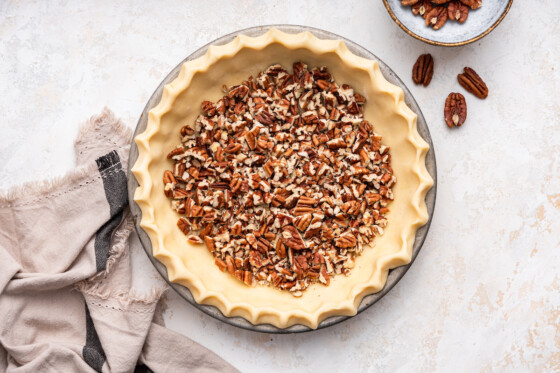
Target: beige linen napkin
x,y
65,299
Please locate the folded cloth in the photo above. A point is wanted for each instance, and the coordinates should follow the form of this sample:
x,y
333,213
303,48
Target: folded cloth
x,y
66,303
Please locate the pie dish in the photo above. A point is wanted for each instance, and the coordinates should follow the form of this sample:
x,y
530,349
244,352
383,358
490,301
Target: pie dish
x,y
193,266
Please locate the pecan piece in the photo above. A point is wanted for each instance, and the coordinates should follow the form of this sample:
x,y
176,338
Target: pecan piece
x,y
439,2
473,83
302,222
176,151
169,183
455,110
457,11
206,230
306,201
233,148
408,2
248,278
346,240
300,264
423,70
291,238
209,241
194,240
208,108
336,144
230,265
184,225
238,92
324,276
220,264
437,17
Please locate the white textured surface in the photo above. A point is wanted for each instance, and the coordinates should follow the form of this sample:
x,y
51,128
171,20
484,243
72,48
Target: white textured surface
x,y
484,293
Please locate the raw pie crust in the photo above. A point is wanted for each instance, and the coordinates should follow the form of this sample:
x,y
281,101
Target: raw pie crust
x,y
193,266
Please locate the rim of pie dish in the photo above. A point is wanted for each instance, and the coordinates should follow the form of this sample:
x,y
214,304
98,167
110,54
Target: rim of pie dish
x,y
193,265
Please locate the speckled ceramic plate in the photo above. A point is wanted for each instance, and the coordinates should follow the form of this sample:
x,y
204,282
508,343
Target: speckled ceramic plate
x,y
394,275
479,23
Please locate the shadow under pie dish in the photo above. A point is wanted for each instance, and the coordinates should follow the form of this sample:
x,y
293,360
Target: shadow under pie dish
x,y
193,265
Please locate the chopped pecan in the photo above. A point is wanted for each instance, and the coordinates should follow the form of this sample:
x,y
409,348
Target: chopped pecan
x,y
209,241
221,264
282,179
184,225
206,230
169,183
175,152
195,240
473,83
291,238
208,108
455,111
423,70
302,222
346,240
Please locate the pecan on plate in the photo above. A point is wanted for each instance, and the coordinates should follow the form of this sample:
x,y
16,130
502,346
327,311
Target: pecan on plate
x,y
423,70
439,2
473,83
457,11
408,2
436,17
473,4
422,7
455,111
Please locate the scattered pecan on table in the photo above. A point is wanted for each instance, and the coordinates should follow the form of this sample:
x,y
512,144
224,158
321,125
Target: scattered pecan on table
x,y
455,111
473,83
423,69
282,179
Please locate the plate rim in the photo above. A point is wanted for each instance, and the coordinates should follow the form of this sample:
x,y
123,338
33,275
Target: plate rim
x,y
446,44
394,276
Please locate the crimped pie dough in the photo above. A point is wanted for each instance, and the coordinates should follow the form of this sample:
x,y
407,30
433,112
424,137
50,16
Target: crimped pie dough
x,y
193,266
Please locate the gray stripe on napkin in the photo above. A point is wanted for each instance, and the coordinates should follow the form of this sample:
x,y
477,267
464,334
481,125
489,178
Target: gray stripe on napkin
x,y
114,183
93,352
142,369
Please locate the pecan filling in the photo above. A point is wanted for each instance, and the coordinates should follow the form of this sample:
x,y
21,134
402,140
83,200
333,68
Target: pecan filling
x,y
282,179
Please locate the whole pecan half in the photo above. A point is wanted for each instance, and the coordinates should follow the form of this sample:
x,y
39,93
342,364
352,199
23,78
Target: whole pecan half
x,y
473,4
423,70
457,11
455,111
436,17
473,83
422,7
